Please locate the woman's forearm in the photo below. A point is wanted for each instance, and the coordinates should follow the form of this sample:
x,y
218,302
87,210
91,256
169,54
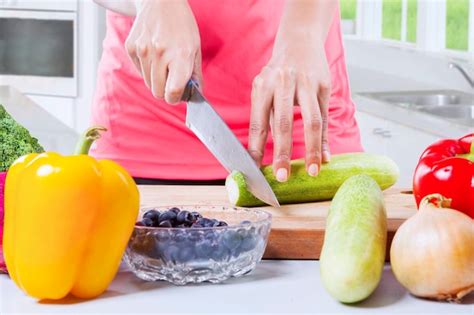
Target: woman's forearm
x,y
312,17
127,7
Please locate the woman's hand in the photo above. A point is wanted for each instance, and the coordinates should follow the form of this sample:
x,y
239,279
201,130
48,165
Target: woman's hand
x,y
297,74
165,46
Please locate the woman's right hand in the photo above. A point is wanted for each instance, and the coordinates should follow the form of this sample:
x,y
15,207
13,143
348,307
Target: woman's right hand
x,y
165,46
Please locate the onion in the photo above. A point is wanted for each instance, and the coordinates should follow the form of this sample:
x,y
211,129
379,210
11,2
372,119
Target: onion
x,y
432,253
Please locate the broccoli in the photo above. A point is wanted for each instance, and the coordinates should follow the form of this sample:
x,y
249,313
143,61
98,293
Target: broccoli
x,y
15,141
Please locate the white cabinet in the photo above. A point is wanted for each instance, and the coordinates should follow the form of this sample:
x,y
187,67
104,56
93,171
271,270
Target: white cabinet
x,y
401,143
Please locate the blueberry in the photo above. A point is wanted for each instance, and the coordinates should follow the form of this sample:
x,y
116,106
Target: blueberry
x,y
168,216
248,243
139,223
180,236
190,219
165,224
162,236
197,225
185,217
148,222
185,254
194,236
181,226
170,253
196,214
243,233
219,252
210,235
161,245
214,222
205,222
231,239
152,214
175,210
204,248
222,223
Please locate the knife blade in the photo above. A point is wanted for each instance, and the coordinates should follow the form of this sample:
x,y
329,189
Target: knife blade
x,y
209,127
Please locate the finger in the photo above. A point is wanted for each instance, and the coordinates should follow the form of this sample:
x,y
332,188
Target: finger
x,y
145,63
159,72
312,121
324,95
261,100
197,70
179,73
283,123
131,48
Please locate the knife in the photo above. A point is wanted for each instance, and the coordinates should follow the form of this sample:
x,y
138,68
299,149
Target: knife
x,y
209,127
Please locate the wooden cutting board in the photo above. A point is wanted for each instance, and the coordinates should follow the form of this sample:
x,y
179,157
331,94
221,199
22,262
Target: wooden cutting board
x,y
297,230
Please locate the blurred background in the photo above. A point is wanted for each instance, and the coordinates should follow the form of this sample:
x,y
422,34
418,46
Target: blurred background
x,y
410,65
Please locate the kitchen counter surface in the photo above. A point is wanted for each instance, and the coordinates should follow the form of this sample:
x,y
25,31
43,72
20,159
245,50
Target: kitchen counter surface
x,y
273,287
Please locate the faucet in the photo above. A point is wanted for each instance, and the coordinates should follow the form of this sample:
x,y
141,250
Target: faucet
x,y
453,65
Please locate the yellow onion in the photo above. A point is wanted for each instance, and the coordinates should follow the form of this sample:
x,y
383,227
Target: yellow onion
x,y
432,253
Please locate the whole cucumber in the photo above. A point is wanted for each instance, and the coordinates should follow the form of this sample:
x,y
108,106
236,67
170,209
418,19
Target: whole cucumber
x,y
301,187
353,253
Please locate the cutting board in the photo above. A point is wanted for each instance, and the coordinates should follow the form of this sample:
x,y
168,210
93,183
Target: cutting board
x,y
297,230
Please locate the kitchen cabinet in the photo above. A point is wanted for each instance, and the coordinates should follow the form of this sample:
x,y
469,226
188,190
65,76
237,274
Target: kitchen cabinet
x,y
401,143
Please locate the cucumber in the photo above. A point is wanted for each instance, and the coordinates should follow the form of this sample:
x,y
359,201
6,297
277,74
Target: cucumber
x,y
353,253
301,187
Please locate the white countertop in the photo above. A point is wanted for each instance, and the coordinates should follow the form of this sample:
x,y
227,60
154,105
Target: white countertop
x,y
273,287
435,125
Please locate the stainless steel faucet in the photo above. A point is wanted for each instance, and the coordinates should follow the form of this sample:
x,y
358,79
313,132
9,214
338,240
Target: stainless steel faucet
x,y
464,73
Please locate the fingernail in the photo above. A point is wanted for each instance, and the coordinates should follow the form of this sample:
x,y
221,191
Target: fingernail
x,y
282,175
313,169
326,156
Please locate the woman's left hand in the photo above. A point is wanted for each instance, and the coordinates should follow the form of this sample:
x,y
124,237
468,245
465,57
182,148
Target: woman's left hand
x,y
297,74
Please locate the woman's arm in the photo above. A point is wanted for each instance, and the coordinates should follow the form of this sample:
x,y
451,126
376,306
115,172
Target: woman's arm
x,y
126,7
297,74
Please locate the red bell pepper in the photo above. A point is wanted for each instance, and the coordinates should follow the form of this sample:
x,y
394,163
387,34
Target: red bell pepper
x,y
447,167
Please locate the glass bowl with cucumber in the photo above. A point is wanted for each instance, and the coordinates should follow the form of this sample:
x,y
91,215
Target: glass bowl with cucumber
x,y
193,244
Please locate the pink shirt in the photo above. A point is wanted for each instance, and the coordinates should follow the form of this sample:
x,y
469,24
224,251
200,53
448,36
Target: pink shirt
x,y
149,137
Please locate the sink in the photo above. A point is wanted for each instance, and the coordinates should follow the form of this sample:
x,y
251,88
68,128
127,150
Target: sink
x,y
449,104
463,114
424,98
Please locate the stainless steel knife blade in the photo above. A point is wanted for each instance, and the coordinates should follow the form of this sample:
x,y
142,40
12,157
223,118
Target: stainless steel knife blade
x,y
209,127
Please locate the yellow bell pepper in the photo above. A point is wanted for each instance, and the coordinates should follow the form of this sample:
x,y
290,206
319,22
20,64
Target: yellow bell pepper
x,y
67,222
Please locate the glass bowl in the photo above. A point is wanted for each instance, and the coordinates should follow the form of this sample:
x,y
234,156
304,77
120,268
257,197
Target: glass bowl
x,y
193,255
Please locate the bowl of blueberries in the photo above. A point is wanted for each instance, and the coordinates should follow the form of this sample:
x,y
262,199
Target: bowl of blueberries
x,y
193,244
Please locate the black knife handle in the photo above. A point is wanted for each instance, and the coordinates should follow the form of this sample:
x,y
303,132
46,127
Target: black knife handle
x,y
189,89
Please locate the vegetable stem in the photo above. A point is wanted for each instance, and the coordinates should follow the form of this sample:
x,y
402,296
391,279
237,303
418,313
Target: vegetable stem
x,y
470,155
436,200
87,139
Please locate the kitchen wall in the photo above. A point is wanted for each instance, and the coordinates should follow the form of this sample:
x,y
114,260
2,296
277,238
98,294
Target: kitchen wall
x,y
374,66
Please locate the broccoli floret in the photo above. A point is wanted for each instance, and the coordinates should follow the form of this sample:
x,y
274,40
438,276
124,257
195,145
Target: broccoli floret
x,y
15,141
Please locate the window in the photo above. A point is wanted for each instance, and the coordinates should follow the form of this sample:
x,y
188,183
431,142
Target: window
x,y
392,19
457,24
412,10
348,15
432,25
348,9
